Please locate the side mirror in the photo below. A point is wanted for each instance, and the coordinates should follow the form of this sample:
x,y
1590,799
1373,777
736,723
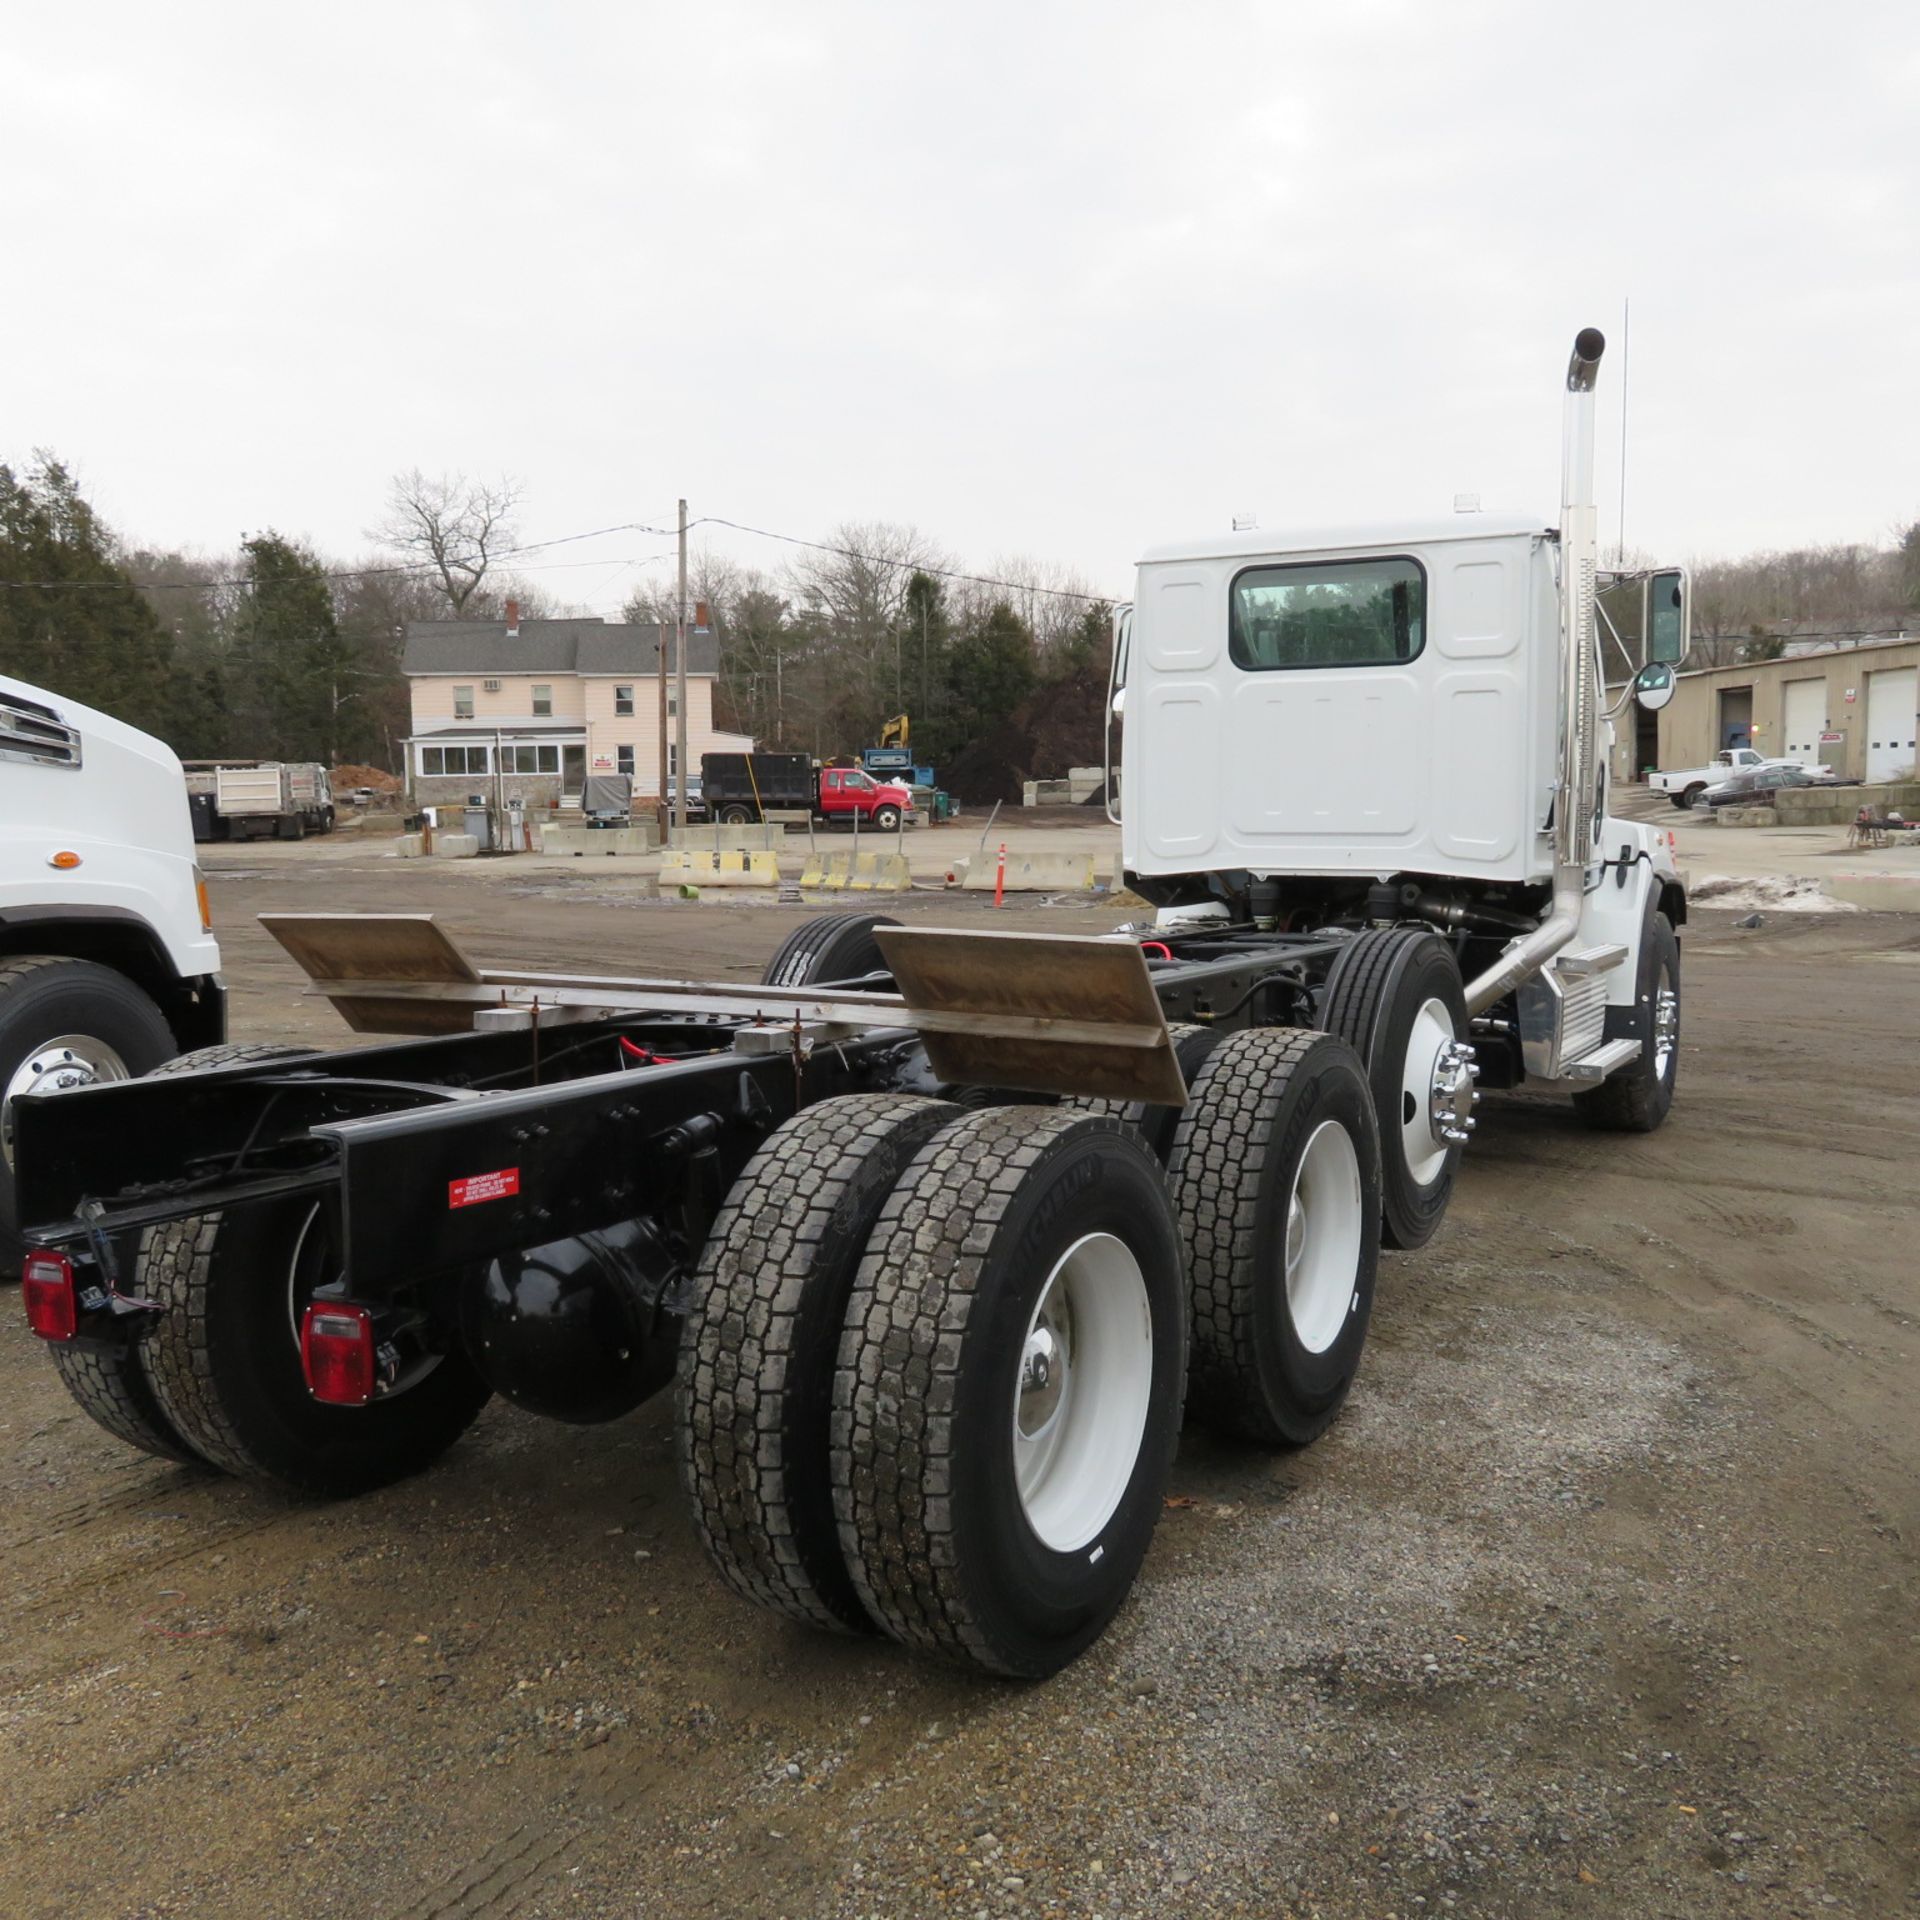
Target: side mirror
x,y
1654,685
1669,621
1648,616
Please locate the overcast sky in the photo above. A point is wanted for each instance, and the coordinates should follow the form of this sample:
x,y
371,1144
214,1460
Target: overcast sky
x,y
1060,280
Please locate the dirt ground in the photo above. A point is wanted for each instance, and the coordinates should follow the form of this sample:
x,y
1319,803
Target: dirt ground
x,y
1599,1599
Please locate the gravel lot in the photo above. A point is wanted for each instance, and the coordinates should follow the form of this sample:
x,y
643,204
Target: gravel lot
x,y
1598,1599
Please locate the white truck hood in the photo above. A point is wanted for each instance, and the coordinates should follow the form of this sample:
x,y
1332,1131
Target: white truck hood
x,y
74,781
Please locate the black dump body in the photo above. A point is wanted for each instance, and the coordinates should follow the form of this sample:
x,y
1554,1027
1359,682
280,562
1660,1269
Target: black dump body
x,y
765,782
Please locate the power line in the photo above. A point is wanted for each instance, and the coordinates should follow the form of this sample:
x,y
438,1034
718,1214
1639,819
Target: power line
x,y
347,573
881,560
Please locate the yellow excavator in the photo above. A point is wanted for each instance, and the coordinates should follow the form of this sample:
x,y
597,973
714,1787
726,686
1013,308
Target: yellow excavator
x,y
893,733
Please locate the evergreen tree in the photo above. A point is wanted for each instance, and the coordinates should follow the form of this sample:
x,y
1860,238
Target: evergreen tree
x,y
990,670
70,619
302,671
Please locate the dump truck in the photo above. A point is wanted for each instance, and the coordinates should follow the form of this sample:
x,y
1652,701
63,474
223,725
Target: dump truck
x,y
741,788
259,799
935,1235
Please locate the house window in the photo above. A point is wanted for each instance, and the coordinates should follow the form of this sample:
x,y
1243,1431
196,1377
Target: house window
x,y
530,760
542,702
461,762
673,706
623,761
463,703
623,700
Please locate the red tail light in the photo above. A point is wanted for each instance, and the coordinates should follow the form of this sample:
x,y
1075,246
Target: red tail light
x,y
336,1354
46,1286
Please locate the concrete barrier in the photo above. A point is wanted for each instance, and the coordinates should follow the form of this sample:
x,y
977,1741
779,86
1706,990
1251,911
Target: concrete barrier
x,y
1745,817
455,846
409,846
602,841
687,866
747,839
1836,806
1030,872
856,873
1877,892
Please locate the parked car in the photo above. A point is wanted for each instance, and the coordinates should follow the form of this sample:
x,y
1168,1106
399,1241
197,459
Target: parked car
x,y
1756,786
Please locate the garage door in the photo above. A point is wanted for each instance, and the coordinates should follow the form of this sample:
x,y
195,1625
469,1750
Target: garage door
x,y
1891,699
1805,715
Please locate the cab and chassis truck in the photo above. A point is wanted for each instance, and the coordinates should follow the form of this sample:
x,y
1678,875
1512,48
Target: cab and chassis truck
x,y
934,1235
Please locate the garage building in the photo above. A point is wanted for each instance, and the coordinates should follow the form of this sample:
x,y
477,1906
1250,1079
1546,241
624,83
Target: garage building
x,y
1852,708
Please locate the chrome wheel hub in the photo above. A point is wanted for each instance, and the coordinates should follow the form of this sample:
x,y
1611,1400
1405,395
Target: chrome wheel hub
x,y
67,1060
1666,1029
1452,1095
1046,1364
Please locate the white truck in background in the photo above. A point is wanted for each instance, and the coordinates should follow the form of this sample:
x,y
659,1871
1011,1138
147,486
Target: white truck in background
x,y
108,964
259,799
1685,785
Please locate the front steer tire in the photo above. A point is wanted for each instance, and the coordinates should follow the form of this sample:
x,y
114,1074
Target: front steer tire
x,y
1638,1097
973,1532
44,997
761,1341
110,1386
1278,1113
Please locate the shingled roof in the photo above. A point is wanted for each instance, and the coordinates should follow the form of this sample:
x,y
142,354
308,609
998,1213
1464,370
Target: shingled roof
x,y
547,646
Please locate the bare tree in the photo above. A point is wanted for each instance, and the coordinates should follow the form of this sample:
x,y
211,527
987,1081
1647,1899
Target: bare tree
x,y
459,527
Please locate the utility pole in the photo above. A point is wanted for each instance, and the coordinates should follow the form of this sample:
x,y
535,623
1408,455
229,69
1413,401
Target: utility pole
x,y
661,806
680,686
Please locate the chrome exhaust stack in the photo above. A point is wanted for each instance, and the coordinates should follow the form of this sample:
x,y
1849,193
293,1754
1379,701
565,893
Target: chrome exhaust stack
x,y
1579,689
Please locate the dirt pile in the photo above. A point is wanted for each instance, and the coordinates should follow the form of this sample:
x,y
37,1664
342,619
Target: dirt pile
x,y
346,778
1054,728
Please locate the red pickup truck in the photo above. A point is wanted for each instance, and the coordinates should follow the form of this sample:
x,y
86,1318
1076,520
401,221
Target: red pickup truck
x,y
744,787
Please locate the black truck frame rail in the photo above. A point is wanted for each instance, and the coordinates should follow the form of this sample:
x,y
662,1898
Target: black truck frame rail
x,y
437,1155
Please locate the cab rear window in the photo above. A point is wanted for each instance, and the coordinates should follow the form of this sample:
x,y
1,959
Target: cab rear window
x,y
1328,613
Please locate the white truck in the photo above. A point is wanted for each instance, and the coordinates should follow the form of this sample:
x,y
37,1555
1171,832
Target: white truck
x,y
259,799
1394,731
108,964
1685,785
931,1339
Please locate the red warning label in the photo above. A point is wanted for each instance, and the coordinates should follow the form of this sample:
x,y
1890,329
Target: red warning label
x,y
483,1186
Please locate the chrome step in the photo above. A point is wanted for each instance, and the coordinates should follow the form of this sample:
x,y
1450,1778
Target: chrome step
x,y
1579,962
1602,1060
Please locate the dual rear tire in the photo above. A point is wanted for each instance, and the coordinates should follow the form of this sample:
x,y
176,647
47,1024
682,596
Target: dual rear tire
x,y
935,1361
215,1378
932,1376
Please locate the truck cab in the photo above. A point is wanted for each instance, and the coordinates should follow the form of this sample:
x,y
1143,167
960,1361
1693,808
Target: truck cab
x,y
1400,726
1349,703
848,791
108,964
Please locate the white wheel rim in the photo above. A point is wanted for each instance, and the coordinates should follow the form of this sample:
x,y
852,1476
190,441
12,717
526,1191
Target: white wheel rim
x,y
1081,1394
67,1060
1324,1230
1432,1030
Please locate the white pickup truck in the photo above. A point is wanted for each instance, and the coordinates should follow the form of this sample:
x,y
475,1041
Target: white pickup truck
x,y
1686,786
108,964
